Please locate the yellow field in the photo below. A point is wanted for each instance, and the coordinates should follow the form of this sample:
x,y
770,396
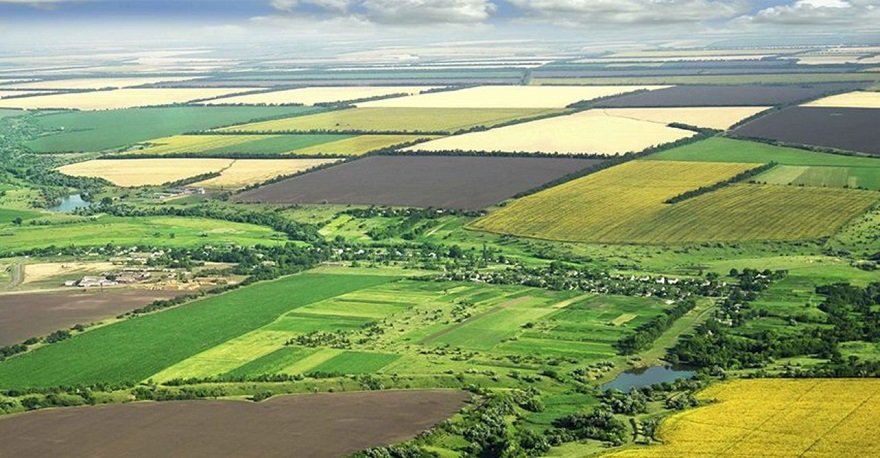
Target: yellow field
x,y
244,172
858,99
507,97
44,271
702,58
356,146
313,95
591,132
624,204
775,418
712,117
147,172
194,143
120,98
97,83
391,120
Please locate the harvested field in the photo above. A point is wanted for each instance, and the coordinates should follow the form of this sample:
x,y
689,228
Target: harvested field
x,y
587,132
96,83
703,96
143,172
26,315
774,418
721,118
244,172
34,273
115,99
314,95
314,425
101,130
852,129
419,181
208,145
858,99
235,173
507,97
410,120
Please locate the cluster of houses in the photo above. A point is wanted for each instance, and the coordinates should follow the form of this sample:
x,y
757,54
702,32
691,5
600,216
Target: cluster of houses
x,y
178,192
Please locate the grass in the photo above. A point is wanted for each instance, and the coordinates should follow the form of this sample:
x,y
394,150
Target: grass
x,y
272,363
788,78
608,206
159,340
356,362
4,113
832,177
163,231
7,215
773,418
103,130
379,120
251,145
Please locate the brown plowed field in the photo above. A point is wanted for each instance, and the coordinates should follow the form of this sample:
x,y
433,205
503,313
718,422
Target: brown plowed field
x,y
853,129
303,426
26,315
707,96
452,182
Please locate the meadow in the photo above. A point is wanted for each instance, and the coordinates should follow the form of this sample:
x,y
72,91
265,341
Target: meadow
x,y
506,97
164,231
8,215
316,95
397,120
833,177
772,417
624,204
234,173
587,132
156,341
103,130
116,99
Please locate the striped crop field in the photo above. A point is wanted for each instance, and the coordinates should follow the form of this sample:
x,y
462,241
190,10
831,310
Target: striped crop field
x,y
398,120
207,145
625,204
774,418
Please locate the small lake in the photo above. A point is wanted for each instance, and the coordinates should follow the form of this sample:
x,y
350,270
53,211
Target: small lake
x,y
646,376
71,203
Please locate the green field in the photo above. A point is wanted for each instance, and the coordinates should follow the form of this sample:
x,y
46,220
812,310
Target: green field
x,y
832,177
720,149
133,350
356,362
4,113
7,215
102,130
165,231
788,78
408,120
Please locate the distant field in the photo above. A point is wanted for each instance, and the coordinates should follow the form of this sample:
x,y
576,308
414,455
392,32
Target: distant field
x,y
116,99
587,132
774,417
10,113
160,340
319,425
624,204
379,120
853,129
97,83
719,149
721,80
507,97
155,231
102,130
5,94
235,173
27,315
702,96
313,95
256,145
418,181
858,99
721,118
358,145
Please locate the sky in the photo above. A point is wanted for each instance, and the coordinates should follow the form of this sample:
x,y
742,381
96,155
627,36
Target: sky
x,y
442,19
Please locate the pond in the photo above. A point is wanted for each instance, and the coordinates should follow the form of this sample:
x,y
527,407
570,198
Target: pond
x,y
646,376
71,203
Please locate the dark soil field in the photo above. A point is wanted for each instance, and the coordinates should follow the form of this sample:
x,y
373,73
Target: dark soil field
x,y
26,315
853,129
303,426
451,182
697,96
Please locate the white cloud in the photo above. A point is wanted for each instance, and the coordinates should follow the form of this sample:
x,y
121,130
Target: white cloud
x,y
394,12
611,12
821,12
